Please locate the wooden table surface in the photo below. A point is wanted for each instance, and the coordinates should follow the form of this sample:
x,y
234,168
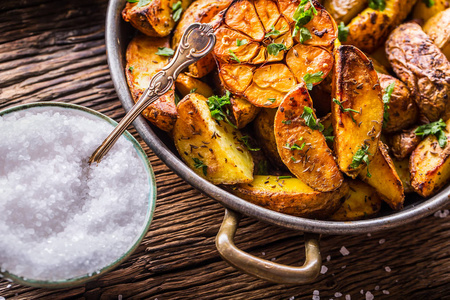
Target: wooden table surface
x,y
55,51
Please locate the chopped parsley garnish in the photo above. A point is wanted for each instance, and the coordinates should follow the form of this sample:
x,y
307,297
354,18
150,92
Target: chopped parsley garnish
x,y
287,122
362,155
304,35
428,3
386,99
262,168
233,56
310,79
176,11
377,4
437,129
192,91
302,16
274,49
272,100
241,42
245,140
131,68
328,134
310,121
346,109
132,1
217,106
163,51
284,177
177,99
272,32
343,32
295,146
199,164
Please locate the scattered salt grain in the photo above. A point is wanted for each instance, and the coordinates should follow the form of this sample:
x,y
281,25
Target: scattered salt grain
x,y
442,213
369,234
386,292
315,297
61,219
348,297
343,267
316,292
344,251
381,242
8,286
119,297
361,292
387,269
328,257
263,253
369,296
292,298
274,259
323,270
337,294
377,288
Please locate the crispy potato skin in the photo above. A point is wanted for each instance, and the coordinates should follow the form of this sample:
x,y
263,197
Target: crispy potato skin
x,y
291,196
215,144
403,111
314,164
384,178
430,165
344,10
371,27
142,64
422,66
355,86
243,111
403,143
402,168
438,29
153,19
185,84
421,11
361,202
263,127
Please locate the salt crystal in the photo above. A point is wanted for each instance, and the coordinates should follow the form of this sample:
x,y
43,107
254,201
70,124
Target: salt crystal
x,y
369,296
8,286
381,242
377,288
315,297
316,292
361,292
348,297
292,298
369,234
61,224
323,270
328,257
387,269
343,267
263,253
337,294
274,259
119,297
386,292
442,213
344,251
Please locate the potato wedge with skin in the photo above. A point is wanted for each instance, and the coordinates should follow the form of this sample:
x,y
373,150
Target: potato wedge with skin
x,y
402,168
186,84
403,111
263,127
356,87
344,10
243,111
142,64
290,196
362,201
304,60
211,149
403,143
201,11
423,12
438,29
154,18
423,68
384,178
430,165
310,160
371,27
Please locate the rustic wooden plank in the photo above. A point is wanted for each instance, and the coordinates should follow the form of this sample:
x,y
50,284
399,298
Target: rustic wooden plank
x,y
55,51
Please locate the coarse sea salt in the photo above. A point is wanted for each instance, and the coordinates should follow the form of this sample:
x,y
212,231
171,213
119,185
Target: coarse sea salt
x,y
60,220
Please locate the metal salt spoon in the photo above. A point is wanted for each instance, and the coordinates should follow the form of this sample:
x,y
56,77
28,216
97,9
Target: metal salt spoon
x,y
197,41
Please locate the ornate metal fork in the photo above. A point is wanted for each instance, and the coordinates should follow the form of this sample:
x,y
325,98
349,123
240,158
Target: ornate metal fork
x,y
197,41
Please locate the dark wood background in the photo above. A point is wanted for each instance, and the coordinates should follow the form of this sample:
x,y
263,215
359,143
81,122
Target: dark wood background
x,y
54,51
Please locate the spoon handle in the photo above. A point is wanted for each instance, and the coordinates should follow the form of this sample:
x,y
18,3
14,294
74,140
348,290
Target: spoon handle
x,y
197,41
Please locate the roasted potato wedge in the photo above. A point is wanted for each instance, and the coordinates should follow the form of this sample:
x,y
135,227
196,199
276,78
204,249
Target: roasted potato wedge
x,y
291,196
402,112
430,165
201,11
142,64
423,12
186,84
344,10
243,111
211,148
402,168
301,145
263,127
357,108
361,202
371,27
403,143
438,29
382,175
422,66
155,18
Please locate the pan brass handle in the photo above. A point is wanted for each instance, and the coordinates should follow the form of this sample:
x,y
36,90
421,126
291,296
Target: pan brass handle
x,y
261,268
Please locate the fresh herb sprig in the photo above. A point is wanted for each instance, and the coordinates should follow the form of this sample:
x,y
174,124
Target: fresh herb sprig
x,y
272,32
199,164
301,18
245,140
343,32
437,129
274,49
241,42
164,51
218,107
386,100
310,79
362,155
349,110
429,3
233,56
310,120
377,4
140,3
176,11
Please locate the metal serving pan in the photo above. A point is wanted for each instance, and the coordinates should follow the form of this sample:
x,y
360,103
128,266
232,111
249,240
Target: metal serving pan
x,y
118,35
